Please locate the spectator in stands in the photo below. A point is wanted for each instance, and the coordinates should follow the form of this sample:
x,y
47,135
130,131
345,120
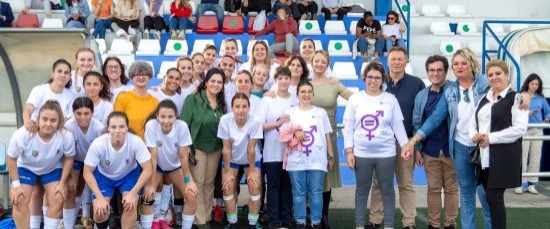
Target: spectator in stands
x,y
126,19
295,11
181,18
370,150
255,6
211,5
153,20
308,9
114,73
392,30
85,62
137,103
104,10
307,49
77,12
42,158
6,14
333,7
539,112
326,91
38,4
202,112
198,68
497,128
368,35
285,29
210,52
433,153
404,87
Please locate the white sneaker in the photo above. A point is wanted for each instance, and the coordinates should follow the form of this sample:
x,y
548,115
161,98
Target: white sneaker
x,y
531,189
518,190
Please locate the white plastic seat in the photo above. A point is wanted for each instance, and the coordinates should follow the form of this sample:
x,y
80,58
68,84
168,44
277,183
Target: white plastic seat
x,y
318,45
341,101
352,27
409,69
498,29
514,27
457,11
344,70
52,23
335,28
101,46
363,66
339,48
431,10
476,47
176,48
406,8
121,47
448,48
356,14
148,47
199,44
239,46
251,44
309,27
441,28
152,65
467,29
164,66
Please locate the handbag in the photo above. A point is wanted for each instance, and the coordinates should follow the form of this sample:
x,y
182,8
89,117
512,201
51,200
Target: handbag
x,y
259,22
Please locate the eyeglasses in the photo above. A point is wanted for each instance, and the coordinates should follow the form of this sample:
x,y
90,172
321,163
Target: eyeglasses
x,y
391,18
113,67
437,71
376,78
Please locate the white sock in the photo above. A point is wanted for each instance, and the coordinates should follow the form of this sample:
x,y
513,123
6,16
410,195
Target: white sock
x,y
50,223
187,221
166,194
86,202
146,221
78,203
69,217
156,206
131,31
35,221
120,32
44,210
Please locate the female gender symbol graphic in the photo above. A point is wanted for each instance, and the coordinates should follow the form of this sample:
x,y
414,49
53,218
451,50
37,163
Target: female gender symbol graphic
x,y
370,123
309,139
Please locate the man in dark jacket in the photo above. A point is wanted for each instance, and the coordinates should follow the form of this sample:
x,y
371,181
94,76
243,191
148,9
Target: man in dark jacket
x,y
295,11
6,15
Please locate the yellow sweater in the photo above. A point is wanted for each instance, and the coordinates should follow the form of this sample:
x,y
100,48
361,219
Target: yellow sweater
x,y
137,108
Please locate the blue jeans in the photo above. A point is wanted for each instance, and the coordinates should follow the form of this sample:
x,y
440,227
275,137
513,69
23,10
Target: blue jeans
x,y
100,28
466,180
363,45
75,24
307,182
400,43
203,7
180,24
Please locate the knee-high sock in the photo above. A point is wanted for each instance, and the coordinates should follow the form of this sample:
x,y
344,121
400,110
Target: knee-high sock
x,y
69,217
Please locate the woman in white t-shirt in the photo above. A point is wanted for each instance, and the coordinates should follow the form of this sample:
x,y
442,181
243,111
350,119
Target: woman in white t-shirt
x,y
392,30
97,90
209,53
271,112
240,132
85,61
117,160
372,122
114,72
57,89
307,50
260,77
259,57
84,128
185,66
198,68
170,88
243,83
231,48
307,168
168,140
298,73
44,157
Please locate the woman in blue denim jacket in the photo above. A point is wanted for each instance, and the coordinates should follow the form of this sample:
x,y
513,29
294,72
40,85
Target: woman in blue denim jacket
x,y
77,12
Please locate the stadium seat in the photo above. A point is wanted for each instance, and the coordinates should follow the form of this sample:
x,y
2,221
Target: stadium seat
x,y
344,70
199,44
448,47
52,23
207,25
441,28
514,27
164,66
148,47
341,101
251,44
239,46
233,25
335,28
457,11
352,27
152,65
251,31
431,10
318,45
121,47
101,46
339,48
356,14
27,21
309,27
498,29
467,29
409,69
176,48
476,47
405,9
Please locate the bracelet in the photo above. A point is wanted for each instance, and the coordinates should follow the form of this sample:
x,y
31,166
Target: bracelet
x,y
16,184
186,180
330,157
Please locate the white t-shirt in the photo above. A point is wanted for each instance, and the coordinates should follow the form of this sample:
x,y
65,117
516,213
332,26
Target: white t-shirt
x,y
254,102
463,121
117,164
178,99
120,89
372,123
272,70
102,110
83,140
187,91
292,89
41,93
167,145
77,85
228,130
37,156
269,111
316,125
390,30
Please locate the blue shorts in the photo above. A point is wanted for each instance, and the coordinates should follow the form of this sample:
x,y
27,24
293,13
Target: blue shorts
x,y
108,186
78,165
167,171
29,178
232,165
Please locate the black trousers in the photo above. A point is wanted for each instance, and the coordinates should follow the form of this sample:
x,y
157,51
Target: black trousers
x,y
154,23
495,199
311,8
341,12
126,24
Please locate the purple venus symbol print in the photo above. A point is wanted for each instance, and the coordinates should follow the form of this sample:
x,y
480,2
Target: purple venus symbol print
x,y
309,139
370,122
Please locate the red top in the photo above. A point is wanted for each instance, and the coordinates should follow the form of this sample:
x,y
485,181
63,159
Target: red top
x,y
281,28
179,12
